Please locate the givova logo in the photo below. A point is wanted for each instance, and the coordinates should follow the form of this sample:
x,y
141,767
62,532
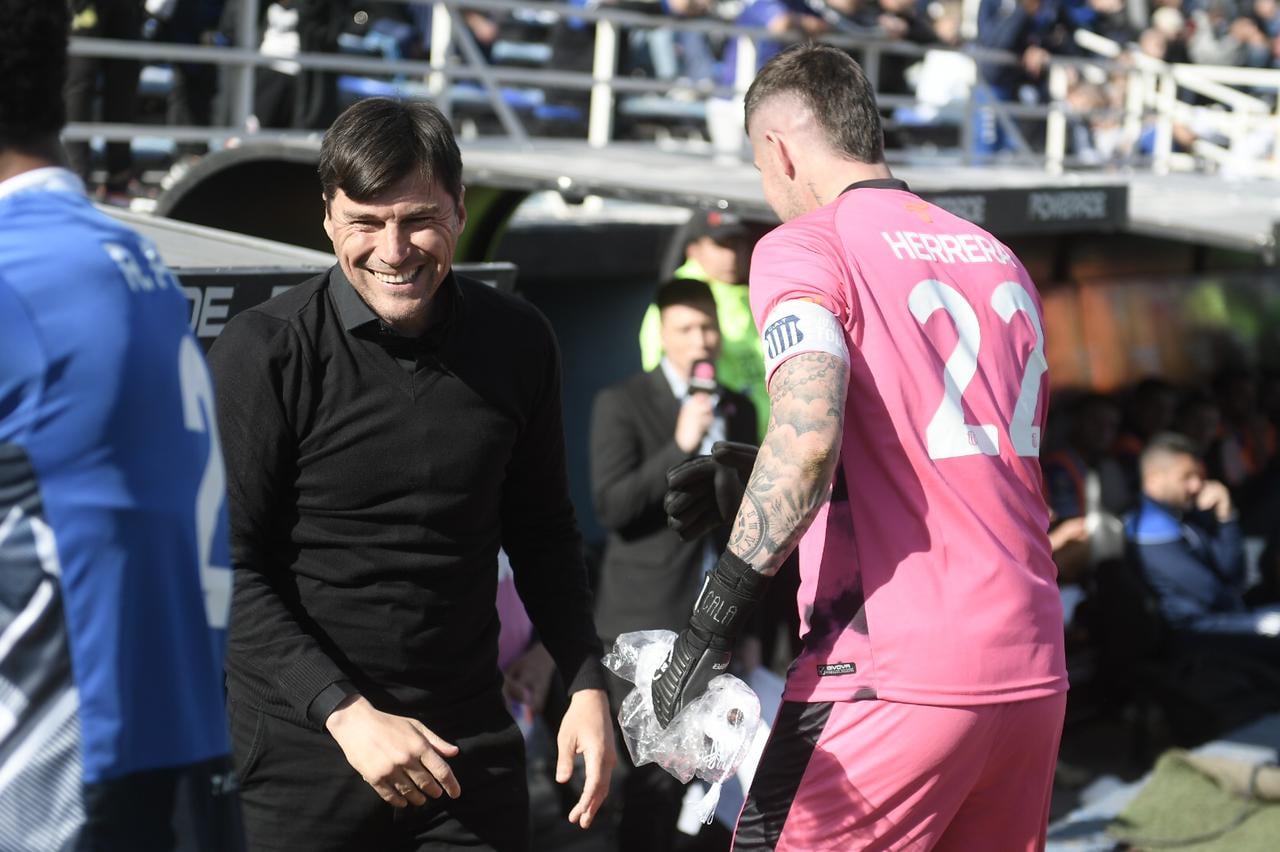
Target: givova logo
x,y
782,335
837,669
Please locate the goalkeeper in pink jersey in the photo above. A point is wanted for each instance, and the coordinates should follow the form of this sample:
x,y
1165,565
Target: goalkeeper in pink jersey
x,y
904,355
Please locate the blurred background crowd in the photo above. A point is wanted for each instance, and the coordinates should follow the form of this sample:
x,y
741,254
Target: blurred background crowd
x,y
910,45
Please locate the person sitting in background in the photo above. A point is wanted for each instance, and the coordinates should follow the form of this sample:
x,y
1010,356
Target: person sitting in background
x,y
1186,534
683,54
899,20
1032,29
1083,479
1185,537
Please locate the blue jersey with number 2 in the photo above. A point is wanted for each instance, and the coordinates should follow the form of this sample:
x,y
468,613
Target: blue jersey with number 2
x,y
114,584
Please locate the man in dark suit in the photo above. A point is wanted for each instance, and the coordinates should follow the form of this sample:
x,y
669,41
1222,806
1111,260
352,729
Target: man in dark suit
x,y
640,428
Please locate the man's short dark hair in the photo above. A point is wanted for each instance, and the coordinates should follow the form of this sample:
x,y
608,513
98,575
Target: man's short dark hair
x,y
33,68
1163,446
378,142
685,291
832,85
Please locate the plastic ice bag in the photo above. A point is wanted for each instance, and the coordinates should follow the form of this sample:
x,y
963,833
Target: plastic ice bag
x,y
707,739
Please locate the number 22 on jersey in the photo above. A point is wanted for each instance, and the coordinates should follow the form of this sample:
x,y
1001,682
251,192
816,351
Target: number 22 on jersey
x,y
947,435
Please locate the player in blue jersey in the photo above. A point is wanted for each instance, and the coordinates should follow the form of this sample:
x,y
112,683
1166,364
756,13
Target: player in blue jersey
x,y
113,581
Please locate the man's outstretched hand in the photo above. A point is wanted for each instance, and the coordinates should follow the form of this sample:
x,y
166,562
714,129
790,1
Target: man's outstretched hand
x,y
704,492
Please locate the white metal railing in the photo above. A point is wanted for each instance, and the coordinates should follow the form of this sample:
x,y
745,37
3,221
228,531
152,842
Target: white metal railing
x,y
1151,87
1237,131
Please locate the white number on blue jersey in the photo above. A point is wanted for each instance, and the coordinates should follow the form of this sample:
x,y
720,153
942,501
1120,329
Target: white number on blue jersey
x,y
197,412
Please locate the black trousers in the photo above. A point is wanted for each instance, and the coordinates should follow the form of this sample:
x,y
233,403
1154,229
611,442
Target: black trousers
x,y
120,19
299,793
181,809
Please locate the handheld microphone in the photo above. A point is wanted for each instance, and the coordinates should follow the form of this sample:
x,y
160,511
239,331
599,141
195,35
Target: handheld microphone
x,y
702,378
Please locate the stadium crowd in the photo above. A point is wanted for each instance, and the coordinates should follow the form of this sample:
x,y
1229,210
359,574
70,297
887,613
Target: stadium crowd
x,y
1212,32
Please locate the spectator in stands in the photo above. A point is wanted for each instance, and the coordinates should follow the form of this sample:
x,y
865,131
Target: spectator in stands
x,y
276,85
1154,43
1084,476
650,578
483,27
1107,18
287,95
900,20
683,54
1031,29
1084,480
113,81
1186,539
190,100
1086,137
1186,534
795,16
941,81
1266,13
1169,22
1218,37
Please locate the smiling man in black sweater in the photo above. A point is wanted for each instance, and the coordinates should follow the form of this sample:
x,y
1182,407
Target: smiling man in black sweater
x,y
387,426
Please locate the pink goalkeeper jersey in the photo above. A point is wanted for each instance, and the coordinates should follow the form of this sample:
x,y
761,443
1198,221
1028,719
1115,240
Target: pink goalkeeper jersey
x,y
927,578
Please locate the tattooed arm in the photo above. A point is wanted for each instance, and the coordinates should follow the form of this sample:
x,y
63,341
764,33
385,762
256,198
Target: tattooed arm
x,y
797,460
790,480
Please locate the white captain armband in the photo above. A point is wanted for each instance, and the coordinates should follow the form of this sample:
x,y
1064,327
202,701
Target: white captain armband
x,y
799,326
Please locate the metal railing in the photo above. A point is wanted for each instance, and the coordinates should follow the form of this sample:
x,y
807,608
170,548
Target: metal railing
x,y
1229,127
1152,87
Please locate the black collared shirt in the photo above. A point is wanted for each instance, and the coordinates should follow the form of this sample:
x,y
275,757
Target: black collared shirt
x,y
372,479
410,352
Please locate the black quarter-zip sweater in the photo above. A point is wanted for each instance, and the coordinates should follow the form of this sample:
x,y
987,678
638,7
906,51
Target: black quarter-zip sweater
x,y
371,481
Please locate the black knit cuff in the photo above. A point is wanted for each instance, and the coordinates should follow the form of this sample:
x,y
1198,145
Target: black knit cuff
x,y
303,681
590,675
323,705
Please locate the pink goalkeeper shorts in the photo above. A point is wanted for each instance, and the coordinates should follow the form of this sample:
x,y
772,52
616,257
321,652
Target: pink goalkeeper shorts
x,y
878,775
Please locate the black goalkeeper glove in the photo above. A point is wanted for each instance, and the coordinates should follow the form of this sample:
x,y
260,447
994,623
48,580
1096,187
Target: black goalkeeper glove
x,y
705,492
703,649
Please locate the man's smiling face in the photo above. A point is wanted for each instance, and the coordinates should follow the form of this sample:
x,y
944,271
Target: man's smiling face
x,y
397,248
